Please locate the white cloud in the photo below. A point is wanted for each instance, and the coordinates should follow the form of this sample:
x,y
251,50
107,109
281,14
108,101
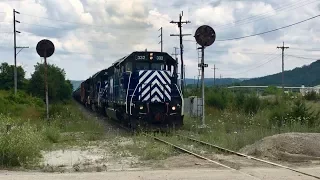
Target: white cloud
x,y
104,31
216,16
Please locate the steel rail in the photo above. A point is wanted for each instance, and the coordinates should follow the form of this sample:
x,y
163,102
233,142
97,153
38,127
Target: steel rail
x,y
247,156
199,156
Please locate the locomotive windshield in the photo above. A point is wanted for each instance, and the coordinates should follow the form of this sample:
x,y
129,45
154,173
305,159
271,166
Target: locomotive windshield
x,y
150,66
142,66
157,66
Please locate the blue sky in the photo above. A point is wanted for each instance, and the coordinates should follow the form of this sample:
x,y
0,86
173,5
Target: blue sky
x,y
89,35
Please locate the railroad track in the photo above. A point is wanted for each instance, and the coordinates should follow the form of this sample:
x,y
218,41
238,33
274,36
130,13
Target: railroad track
x,y
227,151
220,149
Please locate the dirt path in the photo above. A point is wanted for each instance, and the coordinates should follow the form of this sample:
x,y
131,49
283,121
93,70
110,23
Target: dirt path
x,y
176,174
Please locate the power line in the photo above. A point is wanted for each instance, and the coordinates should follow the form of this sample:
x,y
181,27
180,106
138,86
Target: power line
x,y
84,25
303,57
242,37
261,16
272,59
302,49
59,20
253,65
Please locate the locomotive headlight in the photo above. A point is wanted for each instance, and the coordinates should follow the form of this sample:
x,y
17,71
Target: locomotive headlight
x,y
173,108
141,107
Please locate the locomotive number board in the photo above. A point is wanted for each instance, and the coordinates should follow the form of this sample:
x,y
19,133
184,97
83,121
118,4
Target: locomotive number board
x,y
149,57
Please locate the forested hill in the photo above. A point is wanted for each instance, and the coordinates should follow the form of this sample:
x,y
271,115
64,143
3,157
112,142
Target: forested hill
x,y
306,75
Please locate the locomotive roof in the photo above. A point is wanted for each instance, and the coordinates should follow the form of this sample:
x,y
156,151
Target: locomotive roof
x,y
99,73
119,61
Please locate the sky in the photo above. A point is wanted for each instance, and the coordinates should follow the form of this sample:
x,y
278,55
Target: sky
x,y
89,35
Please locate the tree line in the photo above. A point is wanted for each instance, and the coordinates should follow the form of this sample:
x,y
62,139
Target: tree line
x,y
60,89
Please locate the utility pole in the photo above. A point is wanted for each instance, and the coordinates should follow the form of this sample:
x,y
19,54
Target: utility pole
x,y
161,38
214,74
175,54
282,48
15,50
184,74
180,22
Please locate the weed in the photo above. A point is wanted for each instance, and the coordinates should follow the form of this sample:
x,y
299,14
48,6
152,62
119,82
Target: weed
x,y
51,133
311,96
21,145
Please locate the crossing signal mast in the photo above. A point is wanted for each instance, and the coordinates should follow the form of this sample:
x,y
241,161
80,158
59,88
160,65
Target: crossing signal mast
x,y
205,36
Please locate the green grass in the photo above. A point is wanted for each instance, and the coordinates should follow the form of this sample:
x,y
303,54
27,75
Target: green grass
x,y
143,147
234,130
30,131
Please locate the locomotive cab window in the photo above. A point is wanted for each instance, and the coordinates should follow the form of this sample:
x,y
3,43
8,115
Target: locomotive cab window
x,y
128,66
157,66
142,65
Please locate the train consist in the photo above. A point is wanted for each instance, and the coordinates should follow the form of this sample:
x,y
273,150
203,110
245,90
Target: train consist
x,y
139,89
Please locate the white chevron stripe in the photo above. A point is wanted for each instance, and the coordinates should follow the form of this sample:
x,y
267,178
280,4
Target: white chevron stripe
x,y
155,98
146,98
153,75
165,76
167,95
154,90
158,83
141,79
145,91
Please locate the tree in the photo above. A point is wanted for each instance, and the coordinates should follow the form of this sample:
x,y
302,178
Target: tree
x,y
59,88
7,77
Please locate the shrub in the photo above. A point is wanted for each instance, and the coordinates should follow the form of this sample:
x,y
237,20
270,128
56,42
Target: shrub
x,y
286,115
303,114
280,114
52,134
19,146
239,100
252,104
216,100
271,90
311,96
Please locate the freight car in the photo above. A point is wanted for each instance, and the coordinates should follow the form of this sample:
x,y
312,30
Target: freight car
x,y
139,89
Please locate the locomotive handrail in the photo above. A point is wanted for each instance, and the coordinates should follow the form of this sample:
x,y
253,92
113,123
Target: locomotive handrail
x,y
128,95
182,101
132,96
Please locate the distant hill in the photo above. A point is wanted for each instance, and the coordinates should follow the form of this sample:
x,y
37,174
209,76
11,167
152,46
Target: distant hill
x,y
306,75
75,84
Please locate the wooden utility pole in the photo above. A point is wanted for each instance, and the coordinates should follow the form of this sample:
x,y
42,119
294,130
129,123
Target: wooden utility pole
x,y
180,22
15,50
175,54
214,74
161,39
282,47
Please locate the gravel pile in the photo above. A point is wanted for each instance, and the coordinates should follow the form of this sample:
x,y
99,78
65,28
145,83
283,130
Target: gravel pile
x,y
287,147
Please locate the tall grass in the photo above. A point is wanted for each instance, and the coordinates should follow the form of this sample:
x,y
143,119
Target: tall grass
x,y
247,118
19,145
30,132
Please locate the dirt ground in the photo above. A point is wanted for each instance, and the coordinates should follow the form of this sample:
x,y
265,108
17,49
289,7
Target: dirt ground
x,y
174,174
289,147
108,158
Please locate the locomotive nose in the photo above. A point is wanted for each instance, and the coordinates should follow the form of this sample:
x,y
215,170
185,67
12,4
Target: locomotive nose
x,y
158,117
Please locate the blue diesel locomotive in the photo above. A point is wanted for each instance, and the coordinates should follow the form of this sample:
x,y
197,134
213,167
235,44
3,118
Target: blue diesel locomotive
x,y
139,89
